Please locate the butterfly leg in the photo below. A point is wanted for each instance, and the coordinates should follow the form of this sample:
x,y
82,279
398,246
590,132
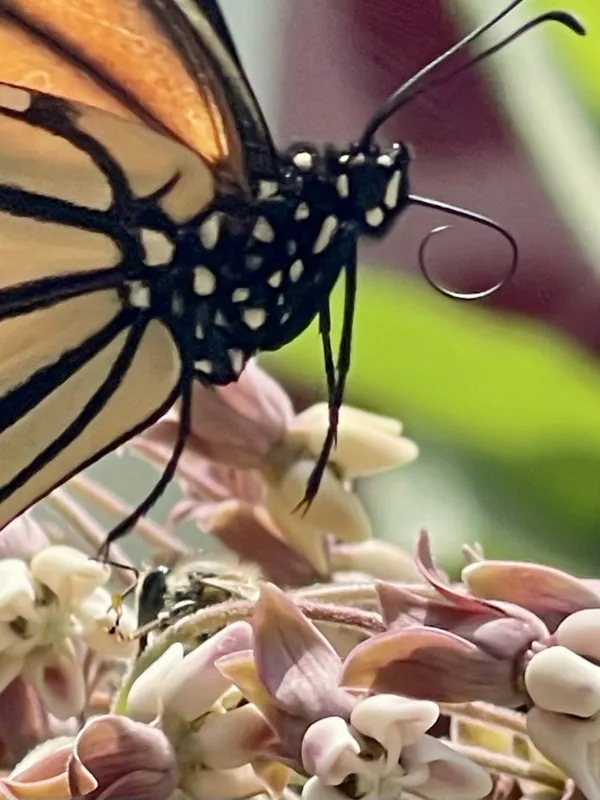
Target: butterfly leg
x,y
339,384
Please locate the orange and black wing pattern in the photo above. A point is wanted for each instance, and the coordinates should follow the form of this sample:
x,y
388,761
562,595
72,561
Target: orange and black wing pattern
x,y
170,63
109,109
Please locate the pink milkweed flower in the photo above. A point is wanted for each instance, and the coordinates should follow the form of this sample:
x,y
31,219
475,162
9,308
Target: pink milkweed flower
x,y
549,593
346,744
450,647
563,682
24,721
230,504
250,425
112,758
214,739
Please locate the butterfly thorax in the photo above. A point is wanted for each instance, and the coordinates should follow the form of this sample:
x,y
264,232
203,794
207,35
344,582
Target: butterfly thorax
x,y
251,273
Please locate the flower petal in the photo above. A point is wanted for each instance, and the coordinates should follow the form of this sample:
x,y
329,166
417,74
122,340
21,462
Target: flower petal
x,y
240,670
295,662
318,413
250,533
450,774
23,721
559,680
226,741
226,784
380,559
315,789
69,573
362,447
430,664
144,701
573,745
393,721
17,594
549,593
57,675
56,786
579,632
96,618
330,752
128,759
10,668
22,538
334,510
196,683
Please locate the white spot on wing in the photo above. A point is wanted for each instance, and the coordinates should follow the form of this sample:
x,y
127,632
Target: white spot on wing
x,y
241,294
139,294
296,270
291,247
393,190
385,160
302,212
158,248
204,281
220,319
255,317
209,231
275,279
14,99
375,217
199,331
236,357
326,234
343,186
263,232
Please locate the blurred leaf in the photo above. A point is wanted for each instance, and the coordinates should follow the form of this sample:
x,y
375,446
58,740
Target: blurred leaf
x,y
499,386
510,405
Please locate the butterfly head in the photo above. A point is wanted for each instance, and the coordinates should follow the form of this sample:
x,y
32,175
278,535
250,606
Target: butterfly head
x,y
372,185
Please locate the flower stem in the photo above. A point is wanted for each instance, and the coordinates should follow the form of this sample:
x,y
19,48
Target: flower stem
x,y
488,714
548,777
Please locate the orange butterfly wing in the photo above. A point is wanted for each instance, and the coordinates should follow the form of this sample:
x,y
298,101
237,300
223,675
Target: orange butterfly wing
x,y
160,61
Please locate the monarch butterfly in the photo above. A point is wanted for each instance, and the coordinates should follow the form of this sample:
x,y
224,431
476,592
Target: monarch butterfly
x,y
152,235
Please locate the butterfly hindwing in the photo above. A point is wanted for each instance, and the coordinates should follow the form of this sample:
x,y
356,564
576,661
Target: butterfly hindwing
x,y
79,371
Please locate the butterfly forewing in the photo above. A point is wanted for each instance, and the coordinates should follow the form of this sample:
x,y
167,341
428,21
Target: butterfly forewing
x,y
28,61
159,60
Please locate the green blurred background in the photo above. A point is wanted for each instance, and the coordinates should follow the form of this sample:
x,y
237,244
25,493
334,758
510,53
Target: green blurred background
x,y
503,398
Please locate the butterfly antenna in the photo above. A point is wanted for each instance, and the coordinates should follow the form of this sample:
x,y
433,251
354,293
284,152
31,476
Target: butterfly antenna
x,y
471,216
412,88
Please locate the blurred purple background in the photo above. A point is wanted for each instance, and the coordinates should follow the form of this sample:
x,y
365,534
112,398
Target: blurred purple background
x,y
341,59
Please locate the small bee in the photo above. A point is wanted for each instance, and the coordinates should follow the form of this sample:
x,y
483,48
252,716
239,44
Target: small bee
x,y
167,594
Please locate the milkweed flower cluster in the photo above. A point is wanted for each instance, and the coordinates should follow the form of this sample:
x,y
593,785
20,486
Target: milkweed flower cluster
x,y
351,670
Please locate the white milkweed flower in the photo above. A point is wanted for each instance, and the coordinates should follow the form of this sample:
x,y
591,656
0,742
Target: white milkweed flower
x,y
48,608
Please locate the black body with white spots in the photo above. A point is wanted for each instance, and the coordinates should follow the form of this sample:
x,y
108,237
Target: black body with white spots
x,y
251,275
